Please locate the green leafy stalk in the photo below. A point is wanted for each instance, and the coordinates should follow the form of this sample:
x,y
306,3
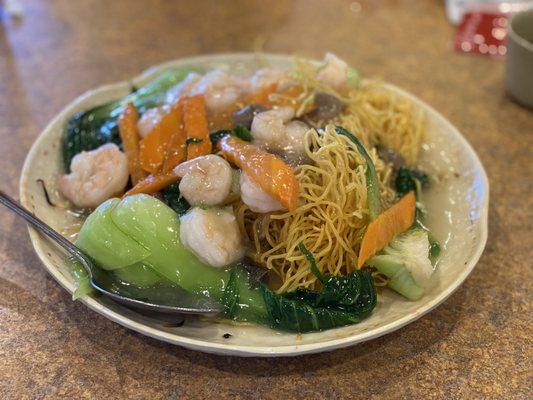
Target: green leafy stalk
x,y
242,132
137,240
407,178
312,262
90,129
175,200
239,131
372,182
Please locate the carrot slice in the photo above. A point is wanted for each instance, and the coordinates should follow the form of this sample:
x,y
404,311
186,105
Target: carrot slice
x,y
153,183
271,174
195,121
177,149
127,129
262,96
155,147
292,97
386,227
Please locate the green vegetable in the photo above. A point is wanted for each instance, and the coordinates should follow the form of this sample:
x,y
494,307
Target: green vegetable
x,y
242,132
411,180
239,131
175,200
344,300
81,279
217,135
372,182
354,78
99,234
400,279
140,274
144,221
405,261
406,180
434,248
90,129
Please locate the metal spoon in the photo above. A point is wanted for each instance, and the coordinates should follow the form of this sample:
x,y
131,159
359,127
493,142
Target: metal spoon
x,y
155,299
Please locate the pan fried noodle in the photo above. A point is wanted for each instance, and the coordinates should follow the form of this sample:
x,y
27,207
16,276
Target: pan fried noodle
x,y
332,216
388,121
378,116
330,219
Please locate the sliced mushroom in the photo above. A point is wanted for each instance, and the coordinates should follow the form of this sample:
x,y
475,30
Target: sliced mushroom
x,y
327,107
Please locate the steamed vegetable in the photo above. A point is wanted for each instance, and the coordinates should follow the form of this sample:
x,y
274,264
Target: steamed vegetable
x,y
344,300
240,131
137,238
386,227
354,79
272,174
400,279
127,127
407,178
195,121
90,129
372,182
99,234
413,180
406,263
175,200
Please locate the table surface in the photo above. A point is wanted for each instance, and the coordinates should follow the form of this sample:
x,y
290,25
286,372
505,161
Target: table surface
x,y
476,344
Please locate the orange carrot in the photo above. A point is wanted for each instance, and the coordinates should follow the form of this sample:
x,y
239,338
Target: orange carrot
x,y
177,149
155,146
195,121
386,227
292,97
127,128
271,174
151,152
222,119
262,96
153,183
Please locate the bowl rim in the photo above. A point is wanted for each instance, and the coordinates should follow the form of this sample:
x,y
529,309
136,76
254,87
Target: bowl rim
x,y
241,350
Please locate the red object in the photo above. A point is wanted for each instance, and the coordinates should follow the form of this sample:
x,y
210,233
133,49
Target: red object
x,y
483,33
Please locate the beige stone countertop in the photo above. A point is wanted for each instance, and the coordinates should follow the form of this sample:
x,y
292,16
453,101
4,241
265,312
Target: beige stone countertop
x,y
475,345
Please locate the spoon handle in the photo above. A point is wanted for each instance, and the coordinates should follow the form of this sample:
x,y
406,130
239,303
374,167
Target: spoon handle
x,y
42,227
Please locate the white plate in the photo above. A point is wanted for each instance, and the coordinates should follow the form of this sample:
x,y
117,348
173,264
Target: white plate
x,y
458,209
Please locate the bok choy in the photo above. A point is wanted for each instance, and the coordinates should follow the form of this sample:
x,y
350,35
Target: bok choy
x,y
405,261
137,240
90,129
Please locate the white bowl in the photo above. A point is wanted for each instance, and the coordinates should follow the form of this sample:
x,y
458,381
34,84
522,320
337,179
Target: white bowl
x,y
457,205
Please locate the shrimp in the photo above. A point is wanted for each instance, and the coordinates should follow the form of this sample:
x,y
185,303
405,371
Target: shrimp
x,y
295,131
268,76
255,198
96,176
268,127
183,88
334,72
220,90
213,235
150,119
205,180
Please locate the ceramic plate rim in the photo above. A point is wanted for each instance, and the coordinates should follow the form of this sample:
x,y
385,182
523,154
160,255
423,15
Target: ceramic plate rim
x,y
231,349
